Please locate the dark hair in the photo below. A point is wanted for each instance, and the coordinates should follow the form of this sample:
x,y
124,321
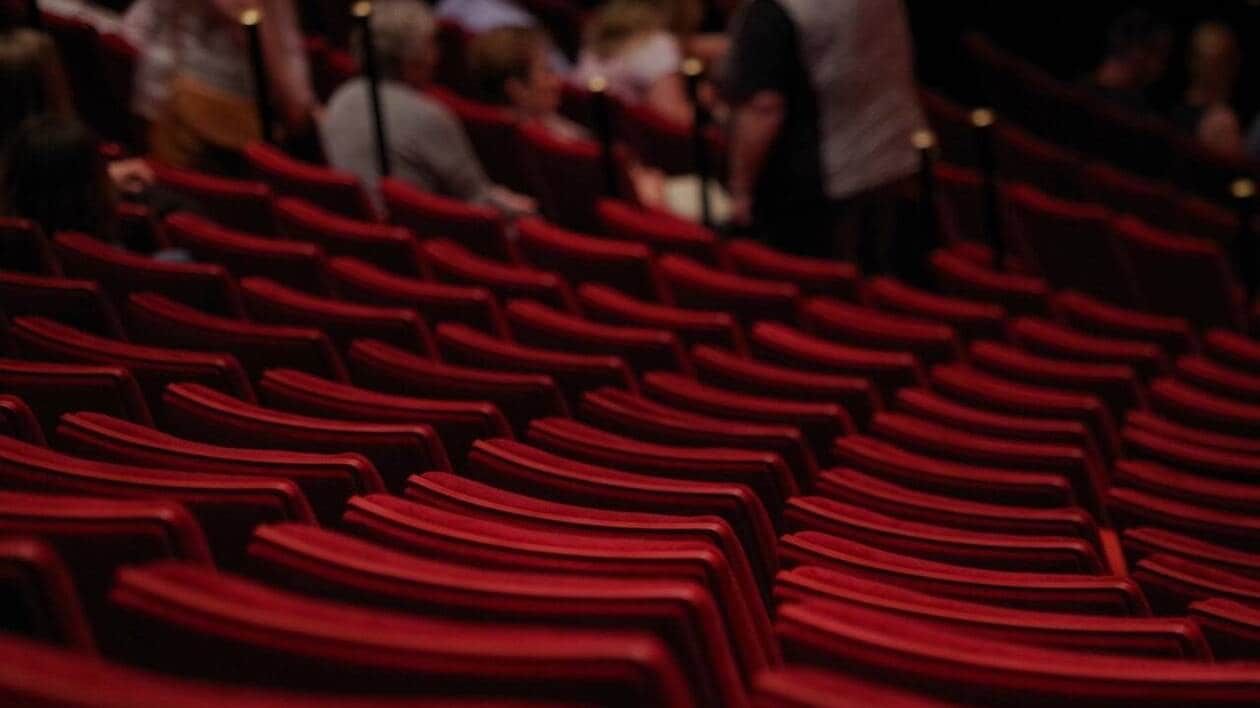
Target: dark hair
x,y
52,172
1136,29
500,55
32,81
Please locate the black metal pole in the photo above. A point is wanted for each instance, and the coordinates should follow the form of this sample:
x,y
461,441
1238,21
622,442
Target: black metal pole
x,y
693,70
602,114
924,142
250,20
982,121
34,18
362,12
1244,193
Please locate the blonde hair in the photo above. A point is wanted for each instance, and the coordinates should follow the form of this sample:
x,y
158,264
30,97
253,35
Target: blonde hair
x,y
621,21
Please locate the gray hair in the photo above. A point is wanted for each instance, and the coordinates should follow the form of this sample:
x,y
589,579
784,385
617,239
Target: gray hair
x,y
401,30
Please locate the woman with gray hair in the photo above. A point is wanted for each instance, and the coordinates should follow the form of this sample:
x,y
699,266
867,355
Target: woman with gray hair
x,y
426,142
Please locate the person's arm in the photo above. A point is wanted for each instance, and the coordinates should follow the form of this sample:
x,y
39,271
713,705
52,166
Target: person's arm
x,y
755,128
759,71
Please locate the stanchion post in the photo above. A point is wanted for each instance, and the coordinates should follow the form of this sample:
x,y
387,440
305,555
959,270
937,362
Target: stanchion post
x,y
362,12
34,17
1244,192
982,122
693,71
251,20
924,142
601,112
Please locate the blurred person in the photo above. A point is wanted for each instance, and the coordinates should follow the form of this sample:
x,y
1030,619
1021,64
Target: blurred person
x,y
52,173
824,103
33,84
1205,112
637,46
427,143
479,16
32,79
1138,47
195,81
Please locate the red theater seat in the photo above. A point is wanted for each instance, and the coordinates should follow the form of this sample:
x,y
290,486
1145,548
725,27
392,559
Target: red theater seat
x,y
480,229
976,549
976,670
1133,507
157,320
723,368
180,615
526,470
298,265
328,481
338,567
26,250
488,542
695,285
397,450
391,247
44,605
1233,349
1219,378
343,322
1092,315
17,420
869,491
1070,244
237,204
663,232
962,277
566,176
521,397
54,389
1117,385
1172,583
228,507
1002,395
1240,496
816,276
1224,464
152,367
782,344
583,258
1231,627
332,189
1144,541
821,423
458,423
604,304
1044,592
987,484
868,327
574,373
119,273
764,473
78,303
1132,636
1191,405
437,302
739,598
642,348
1155,423
638,417
969,318
448,261
1051,339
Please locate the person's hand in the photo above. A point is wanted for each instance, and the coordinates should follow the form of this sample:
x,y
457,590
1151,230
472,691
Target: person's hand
x,y
511,202
741,210
131,176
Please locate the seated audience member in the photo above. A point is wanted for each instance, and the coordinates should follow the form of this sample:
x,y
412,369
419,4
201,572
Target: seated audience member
x,y
427,144
1205,111
33,83
1138,47
479,16
637,47
52,173
509,68
195,82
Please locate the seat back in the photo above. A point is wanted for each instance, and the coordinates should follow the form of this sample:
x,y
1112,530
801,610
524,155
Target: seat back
x,y
335,190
